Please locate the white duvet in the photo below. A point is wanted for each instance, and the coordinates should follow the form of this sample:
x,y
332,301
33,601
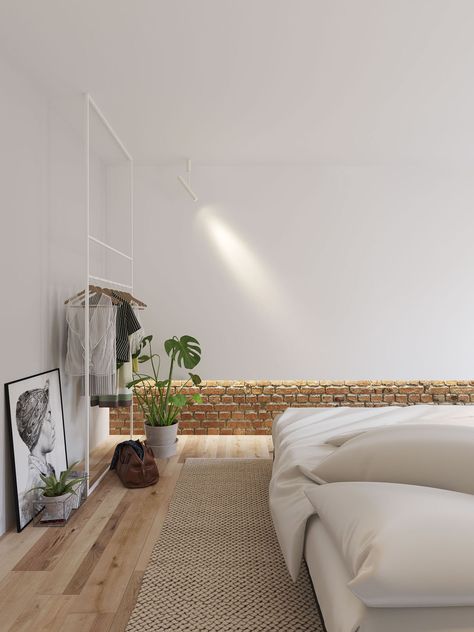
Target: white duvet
x,y
299,436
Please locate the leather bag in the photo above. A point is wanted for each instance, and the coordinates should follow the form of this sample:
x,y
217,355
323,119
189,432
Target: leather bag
x,y
132,471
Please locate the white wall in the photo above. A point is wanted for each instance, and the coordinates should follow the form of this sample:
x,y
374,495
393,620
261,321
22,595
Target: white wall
x,y
41,246
317,272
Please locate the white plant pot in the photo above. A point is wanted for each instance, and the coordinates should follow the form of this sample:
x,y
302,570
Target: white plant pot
x,y
56,507
162,440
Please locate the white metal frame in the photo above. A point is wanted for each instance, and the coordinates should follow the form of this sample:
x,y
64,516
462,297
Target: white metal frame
x,y
90,104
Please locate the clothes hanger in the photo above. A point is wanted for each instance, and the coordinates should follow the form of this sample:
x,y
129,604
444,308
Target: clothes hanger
x,y
93,289
108,292
135,300
127,297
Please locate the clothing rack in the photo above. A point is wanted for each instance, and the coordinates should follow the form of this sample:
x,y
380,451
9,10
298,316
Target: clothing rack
x,y
90,105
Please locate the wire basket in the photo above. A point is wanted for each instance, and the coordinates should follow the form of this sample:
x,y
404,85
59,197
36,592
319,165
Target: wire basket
x,y
80,490
54,510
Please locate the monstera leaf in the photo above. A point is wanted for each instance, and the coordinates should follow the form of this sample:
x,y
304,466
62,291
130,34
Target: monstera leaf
x,y
186,350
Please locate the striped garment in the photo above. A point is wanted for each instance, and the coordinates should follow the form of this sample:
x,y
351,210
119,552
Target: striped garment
x,y
127,324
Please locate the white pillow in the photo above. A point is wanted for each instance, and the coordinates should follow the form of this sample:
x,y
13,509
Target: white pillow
x,y
404,545
419,454
340,439
421,414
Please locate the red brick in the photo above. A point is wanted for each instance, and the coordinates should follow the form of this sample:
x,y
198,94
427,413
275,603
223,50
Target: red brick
x,y
214,390
235,390
211,424
337,390
302,398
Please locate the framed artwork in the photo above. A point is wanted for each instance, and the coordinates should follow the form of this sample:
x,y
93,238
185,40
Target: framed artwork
x,y
38,440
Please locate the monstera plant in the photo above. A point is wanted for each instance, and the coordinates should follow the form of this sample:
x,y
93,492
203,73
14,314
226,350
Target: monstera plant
x,y
161,406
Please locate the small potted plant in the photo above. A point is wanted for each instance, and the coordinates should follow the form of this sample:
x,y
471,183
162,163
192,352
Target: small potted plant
x,y
57,495
159,406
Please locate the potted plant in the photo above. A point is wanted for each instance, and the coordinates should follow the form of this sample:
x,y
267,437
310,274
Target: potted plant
x,y
159,406
57,495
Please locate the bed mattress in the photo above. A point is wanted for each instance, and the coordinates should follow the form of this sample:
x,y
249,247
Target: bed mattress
x,y
299,439
343,612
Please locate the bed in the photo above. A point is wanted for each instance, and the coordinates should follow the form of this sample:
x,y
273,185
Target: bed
x,y
299,440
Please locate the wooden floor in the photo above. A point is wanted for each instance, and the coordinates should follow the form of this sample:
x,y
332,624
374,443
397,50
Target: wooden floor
x,y
100,457
85,576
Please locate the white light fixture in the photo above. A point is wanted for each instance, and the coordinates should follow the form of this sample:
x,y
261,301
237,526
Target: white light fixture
x,y
187,185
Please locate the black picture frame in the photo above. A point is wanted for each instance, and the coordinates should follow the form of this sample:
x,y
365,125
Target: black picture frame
x,y
34,407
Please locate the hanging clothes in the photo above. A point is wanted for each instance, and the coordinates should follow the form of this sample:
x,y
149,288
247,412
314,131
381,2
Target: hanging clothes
x,y
127,321
102,344
122,397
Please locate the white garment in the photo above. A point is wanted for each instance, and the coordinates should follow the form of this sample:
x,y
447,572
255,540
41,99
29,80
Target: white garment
x,y
102,344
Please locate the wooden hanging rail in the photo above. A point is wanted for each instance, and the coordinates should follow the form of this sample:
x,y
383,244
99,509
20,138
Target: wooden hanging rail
x,y
117,296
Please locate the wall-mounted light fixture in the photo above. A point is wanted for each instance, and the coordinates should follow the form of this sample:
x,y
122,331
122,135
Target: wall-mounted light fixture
x,y
187,184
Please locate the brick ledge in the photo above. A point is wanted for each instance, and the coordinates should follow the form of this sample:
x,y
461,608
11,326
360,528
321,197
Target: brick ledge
x,y
249,407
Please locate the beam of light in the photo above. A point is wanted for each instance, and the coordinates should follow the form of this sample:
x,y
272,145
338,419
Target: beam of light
x,y
282,317
246,267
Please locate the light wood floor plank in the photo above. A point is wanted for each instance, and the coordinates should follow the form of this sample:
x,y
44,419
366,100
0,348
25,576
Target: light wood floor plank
x,y
56,541
107,583
17,589
97,560
39,614
127,604
222,446
94,554
112,492
14,546
88,622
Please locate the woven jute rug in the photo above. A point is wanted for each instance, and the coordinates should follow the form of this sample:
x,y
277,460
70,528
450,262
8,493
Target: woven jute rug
x,y
217,566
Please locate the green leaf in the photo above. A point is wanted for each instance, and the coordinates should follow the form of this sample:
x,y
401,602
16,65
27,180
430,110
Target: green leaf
x,y
197,398
195,378
58,486
179,400
186,350
137,381
144,358
169,345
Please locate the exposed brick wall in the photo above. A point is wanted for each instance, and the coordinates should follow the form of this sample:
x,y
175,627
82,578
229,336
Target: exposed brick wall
x,y
249,407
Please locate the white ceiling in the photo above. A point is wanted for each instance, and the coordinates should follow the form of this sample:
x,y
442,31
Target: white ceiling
x,y
261,80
